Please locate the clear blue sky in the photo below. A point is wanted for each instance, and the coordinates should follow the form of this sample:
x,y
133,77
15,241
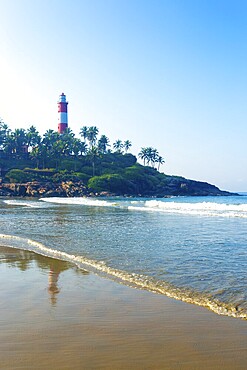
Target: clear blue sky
x,y
170,74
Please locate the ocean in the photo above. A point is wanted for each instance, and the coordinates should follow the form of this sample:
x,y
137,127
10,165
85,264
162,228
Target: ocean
x,y
190,248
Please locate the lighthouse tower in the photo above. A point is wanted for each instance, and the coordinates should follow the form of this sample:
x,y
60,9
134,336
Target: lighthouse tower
x,y
62,114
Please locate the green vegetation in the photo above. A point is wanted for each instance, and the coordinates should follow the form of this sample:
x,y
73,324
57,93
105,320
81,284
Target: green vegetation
x,y
27,156
17,176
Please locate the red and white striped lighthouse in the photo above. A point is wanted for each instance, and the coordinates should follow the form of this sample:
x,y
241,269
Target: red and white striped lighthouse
x,y
62,114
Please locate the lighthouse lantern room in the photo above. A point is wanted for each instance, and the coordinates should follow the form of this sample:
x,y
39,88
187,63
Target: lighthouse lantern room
x,y
62,114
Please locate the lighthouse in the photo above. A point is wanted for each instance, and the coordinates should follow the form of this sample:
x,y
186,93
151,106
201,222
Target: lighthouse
x,y
62,114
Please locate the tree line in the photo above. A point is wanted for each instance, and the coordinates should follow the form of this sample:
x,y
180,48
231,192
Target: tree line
x,y
20,143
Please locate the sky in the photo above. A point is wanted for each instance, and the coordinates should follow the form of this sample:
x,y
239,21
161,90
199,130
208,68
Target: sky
x,y
170,74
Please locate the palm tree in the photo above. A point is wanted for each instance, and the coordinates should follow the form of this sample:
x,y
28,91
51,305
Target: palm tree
x,y
33,137
83,132
4,132
75,148
127,144
154,154
93,154
118,146
103,142
67,138
160,161
49,140
149,155
20,141
78,147
39,153
50,137
92,135
58,149
9,144
143,155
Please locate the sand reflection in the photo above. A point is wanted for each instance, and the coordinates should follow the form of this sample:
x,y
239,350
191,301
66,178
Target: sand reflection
x,y
53,287
24,260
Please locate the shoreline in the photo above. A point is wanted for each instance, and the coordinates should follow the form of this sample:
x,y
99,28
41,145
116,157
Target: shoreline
x,y
58,316
129,279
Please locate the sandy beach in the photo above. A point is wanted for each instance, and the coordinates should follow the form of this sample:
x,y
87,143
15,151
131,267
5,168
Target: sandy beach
x,y
55,316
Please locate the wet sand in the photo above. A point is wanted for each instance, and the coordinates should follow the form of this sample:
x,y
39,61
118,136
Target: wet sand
x,y
55,316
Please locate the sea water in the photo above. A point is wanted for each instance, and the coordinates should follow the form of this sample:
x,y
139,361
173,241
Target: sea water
x,y
190,248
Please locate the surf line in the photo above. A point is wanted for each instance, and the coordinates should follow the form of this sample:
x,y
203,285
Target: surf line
x,y
131,279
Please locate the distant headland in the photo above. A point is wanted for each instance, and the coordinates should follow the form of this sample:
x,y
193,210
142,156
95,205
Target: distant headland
x,y
61,164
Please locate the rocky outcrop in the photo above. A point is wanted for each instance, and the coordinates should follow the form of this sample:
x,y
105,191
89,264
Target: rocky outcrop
x,y
179,186
38,189
174,186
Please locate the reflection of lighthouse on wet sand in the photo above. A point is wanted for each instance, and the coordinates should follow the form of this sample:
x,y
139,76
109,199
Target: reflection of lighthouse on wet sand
x,y
53,288
62,114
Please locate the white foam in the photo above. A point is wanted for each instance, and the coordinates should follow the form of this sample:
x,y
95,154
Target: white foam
x,y
133,279
209,209
79,201
196,206
14,202
200,208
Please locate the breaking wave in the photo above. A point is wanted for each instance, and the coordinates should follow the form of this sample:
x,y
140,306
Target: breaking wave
x,y
207,209
22,203
131,279
80,201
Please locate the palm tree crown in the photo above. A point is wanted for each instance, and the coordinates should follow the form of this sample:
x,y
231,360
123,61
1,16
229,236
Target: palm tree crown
x,y
127,144
118,146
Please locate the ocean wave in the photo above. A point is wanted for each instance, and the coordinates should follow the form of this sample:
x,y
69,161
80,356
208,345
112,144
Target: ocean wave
x,y
130,279
22,203
200,208
80,201
211,206
209,209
